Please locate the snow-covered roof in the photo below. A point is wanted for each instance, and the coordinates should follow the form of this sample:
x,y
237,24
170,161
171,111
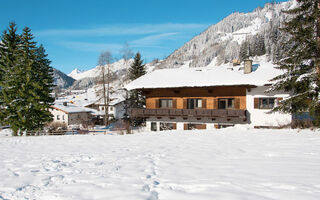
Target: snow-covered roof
x,y
224,75
71,108
113,102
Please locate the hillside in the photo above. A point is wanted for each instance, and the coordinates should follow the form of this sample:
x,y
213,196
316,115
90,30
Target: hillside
x,y
238,36
235,37
61,80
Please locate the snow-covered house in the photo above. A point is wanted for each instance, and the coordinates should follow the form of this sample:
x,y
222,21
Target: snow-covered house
x,y
116,107
210,97
70,114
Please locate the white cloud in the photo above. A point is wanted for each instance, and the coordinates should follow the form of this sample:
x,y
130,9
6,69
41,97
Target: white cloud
x,y
152,40
122,29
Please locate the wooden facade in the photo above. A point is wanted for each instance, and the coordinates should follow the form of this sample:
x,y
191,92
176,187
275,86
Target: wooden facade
x,y
209,96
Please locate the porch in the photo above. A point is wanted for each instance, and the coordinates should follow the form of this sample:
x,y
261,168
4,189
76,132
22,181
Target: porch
x,y
236,115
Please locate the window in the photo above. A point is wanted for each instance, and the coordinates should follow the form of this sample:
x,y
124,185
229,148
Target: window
x,y
165,103
266,103
111,108
62,117
226,103
225,125
167,126
194,103
58,117
195,126
102,108
153,126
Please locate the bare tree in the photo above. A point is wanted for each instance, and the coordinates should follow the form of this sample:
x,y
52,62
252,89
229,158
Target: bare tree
x,y
127,54
104,61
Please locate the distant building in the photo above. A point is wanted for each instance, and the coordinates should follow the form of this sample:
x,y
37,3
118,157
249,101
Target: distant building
x,y
70,114
116,108
210,97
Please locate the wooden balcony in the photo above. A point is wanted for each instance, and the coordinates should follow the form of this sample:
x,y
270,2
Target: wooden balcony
x,y
240,115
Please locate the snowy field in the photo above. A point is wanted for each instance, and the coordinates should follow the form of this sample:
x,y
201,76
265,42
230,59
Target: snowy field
x,y
224,164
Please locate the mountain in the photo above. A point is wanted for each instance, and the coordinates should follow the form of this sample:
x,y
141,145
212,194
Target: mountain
x,y
237,36
115,67
74,73
87,79
61,80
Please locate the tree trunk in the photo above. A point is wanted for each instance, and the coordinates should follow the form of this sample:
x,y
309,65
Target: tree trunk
x,y
104,97
108,92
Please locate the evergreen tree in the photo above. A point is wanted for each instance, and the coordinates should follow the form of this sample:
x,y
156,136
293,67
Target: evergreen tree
x,y
136,99
43,88
244,50
26,80
27,76
137,68
10,79
301,61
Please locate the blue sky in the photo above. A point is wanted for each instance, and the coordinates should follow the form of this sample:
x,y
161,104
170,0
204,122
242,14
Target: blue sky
x,y
75,32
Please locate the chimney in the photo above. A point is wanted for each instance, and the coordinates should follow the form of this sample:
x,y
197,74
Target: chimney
x,y
247,66
65,103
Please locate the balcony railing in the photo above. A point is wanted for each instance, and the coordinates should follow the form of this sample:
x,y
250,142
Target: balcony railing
x,y
197,113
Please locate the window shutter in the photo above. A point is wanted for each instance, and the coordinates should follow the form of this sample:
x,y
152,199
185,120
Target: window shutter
x,y
157,103
237,103
204,126
215,103
185,102
185,126
174,126
174,103
204,103
256,103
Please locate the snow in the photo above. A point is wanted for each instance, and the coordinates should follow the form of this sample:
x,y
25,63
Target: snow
x,y
95,72
240,35
90,97
5,132
71,108
269,16
233,163
75,72
207,76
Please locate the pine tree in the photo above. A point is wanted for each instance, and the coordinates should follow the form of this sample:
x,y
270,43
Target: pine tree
x,y
43,88
10,83
26,80
244,48
137,68
135,99
27,75
301,61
